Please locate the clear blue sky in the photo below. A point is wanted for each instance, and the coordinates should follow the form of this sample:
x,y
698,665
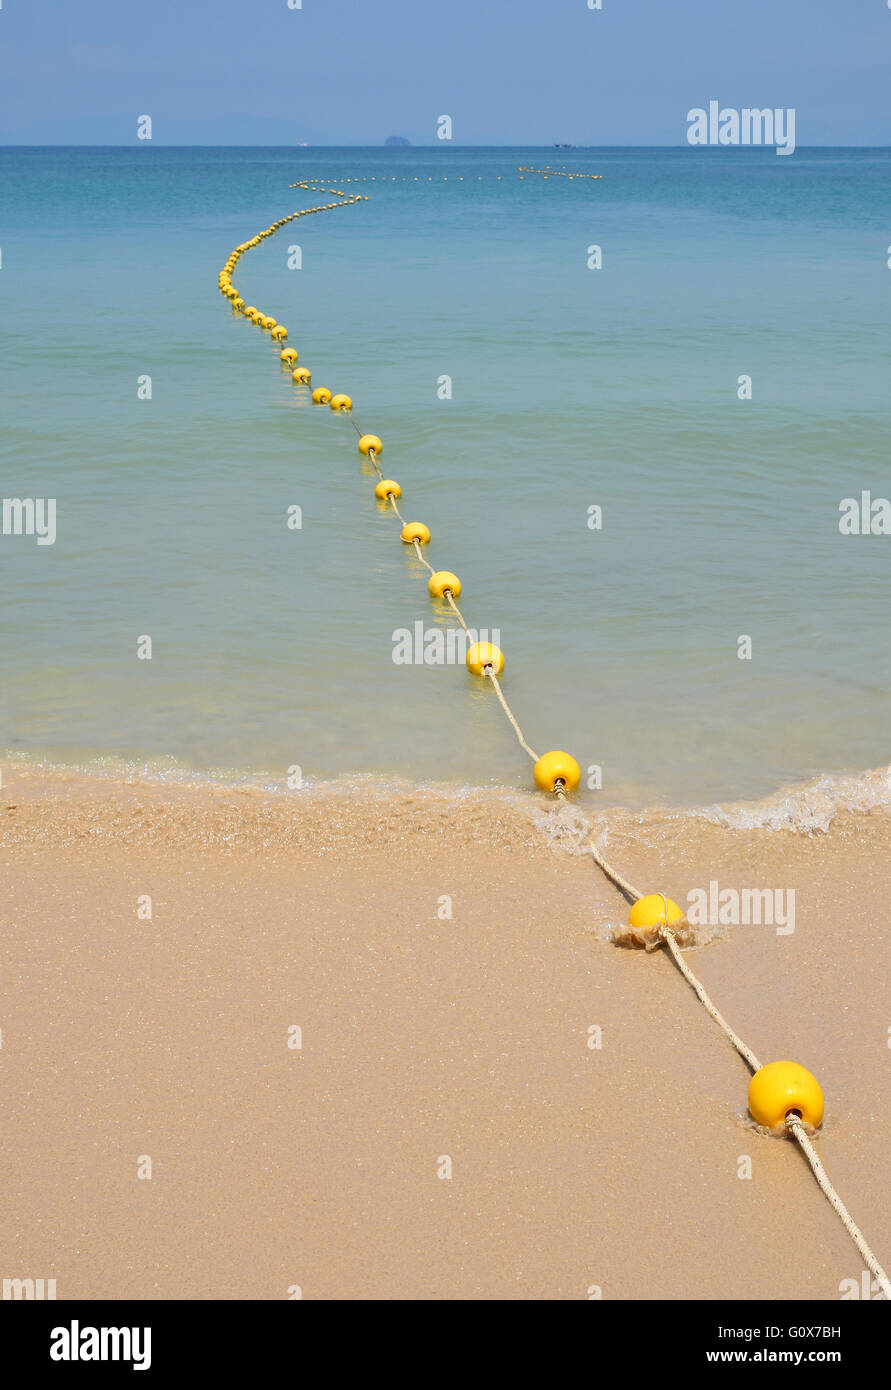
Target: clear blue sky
x,y
221,72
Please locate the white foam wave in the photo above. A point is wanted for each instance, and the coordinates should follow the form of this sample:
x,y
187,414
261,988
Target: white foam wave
x,y
810,808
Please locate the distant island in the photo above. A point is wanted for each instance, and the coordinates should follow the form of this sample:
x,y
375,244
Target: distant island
x,y
396,140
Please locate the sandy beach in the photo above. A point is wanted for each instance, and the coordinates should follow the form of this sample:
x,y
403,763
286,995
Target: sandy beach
x,y
445,689
428,1044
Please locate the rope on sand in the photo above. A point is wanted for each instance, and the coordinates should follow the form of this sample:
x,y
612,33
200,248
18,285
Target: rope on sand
x,y
745,1052
793,1121
782,1094
798,1132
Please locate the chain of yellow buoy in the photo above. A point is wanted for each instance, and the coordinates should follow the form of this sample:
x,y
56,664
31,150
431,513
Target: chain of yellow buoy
x,y
782,1095
550,173
553,771
445,584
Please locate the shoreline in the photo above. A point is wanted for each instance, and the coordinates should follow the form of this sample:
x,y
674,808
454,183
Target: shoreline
x,y
806,804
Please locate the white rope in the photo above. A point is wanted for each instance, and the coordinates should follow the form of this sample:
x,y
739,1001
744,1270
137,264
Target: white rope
x,y
798,1132
667,936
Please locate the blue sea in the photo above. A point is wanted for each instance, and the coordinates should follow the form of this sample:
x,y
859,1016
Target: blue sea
x,y
571,388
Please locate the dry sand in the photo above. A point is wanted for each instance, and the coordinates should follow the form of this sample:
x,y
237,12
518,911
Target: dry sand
x,y
422,1038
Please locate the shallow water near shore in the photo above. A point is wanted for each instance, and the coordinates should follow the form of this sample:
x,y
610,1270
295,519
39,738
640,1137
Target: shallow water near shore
x,y
571,388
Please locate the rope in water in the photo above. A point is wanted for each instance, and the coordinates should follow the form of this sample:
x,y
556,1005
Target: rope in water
x,y
558,784
450,599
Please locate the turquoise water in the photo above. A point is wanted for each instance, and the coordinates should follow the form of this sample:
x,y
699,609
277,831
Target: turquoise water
x,y
571,388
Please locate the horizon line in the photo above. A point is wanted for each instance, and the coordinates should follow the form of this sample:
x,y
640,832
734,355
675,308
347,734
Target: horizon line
x,y
440,145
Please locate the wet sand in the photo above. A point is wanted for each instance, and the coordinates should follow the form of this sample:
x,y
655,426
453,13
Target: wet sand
x,y
423,1038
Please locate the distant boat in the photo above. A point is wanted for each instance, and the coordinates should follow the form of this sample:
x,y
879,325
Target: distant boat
x,y
564,147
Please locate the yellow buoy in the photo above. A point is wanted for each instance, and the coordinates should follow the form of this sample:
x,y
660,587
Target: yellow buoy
x,y
369,442
385,487
280,332
650,911
781,1087
442,580
250,311
268,323
302,374
341,402
552,768
416,531
483,654
288,355
238,303
321,395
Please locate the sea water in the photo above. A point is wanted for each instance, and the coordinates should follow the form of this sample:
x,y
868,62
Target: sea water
x,y
569,389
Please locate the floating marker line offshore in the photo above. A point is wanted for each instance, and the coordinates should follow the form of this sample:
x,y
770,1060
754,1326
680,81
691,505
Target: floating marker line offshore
x,y
550,173
783,1096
